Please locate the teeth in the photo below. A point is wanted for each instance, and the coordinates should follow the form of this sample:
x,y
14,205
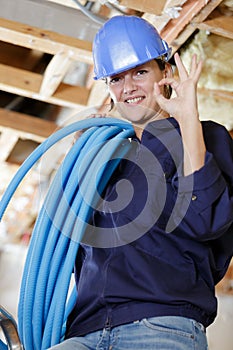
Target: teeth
x,y
134,100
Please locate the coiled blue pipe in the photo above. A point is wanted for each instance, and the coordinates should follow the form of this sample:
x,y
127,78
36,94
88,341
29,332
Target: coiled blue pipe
x,y
45,302
3,346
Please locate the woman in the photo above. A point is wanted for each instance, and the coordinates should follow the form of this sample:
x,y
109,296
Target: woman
x,y
167,212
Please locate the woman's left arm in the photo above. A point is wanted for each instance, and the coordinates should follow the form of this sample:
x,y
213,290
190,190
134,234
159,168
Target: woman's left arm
x,y
183,107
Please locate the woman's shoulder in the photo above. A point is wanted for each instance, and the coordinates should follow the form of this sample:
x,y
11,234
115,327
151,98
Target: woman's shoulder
x,y
216,134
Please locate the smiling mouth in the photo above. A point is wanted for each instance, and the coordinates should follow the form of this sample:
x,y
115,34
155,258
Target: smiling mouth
x,y
134,100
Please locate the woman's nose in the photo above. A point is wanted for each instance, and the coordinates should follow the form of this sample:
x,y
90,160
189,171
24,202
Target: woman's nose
x,y
129,84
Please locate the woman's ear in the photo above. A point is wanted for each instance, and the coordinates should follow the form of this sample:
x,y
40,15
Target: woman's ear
x,y
168,73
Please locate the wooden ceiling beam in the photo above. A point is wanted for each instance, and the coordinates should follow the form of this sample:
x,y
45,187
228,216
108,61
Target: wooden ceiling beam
x,y
99,94
151,6
218,94
43,40
222,26
25,126
8,140
28,84
178,30
55,73
15,126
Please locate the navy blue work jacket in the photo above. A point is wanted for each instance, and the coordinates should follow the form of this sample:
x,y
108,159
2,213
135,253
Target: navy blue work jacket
x,y
159,242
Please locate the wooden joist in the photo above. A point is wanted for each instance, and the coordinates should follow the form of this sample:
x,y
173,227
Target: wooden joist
x,y
8,140
28,84
151,6
55,73
98,95
193,12
217,94
16,126
25,126
222,26
43,40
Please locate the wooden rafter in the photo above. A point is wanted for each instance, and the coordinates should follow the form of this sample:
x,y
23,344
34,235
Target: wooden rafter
x,y
28,84
43,40
99,94
14,126
54,73
8,140
151,6
25,126
193,12
218,94
222,26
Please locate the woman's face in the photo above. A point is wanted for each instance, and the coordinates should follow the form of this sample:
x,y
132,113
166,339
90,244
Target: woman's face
x,y
133,92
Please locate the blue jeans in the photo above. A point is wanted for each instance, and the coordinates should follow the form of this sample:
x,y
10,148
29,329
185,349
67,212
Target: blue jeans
x,y
155,333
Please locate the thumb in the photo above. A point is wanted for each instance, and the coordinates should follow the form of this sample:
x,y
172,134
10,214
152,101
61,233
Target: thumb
x,y
160,99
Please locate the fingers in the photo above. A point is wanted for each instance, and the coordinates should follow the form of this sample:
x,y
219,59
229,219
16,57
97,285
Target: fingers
x,y
195,69
160,99
195,72
79,133
95,115
169,81
180,66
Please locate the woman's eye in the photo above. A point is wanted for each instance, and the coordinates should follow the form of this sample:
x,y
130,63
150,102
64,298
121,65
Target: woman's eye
x,y
114,80
141,71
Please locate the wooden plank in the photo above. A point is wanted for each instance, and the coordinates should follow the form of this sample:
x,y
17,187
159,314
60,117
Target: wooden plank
x,y
55,73
177,31
222,26
70,96
8,140
218,94
206,11
25,83
18,56
177,25
43,40
99,94
15,126
25,126
151,6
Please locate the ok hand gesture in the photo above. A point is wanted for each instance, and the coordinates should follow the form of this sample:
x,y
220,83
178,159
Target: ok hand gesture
x,y
183,106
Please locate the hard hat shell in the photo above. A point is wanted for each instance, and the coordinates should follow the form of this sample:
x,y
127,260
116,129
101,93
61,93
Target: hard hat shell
x,y
124,42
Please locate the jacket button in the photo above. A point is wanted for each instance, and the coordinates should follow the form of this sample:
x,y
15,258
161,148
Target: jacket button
x,y
194,197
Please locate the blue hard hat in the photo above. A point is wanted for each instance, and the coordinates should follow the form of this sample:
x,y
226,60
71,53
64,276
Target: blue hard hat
x,y
125,42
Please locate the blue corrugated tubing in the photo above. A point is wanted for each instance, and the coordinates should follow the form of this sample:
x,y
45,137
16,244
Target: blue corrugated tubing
x,y
45,299
3,346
